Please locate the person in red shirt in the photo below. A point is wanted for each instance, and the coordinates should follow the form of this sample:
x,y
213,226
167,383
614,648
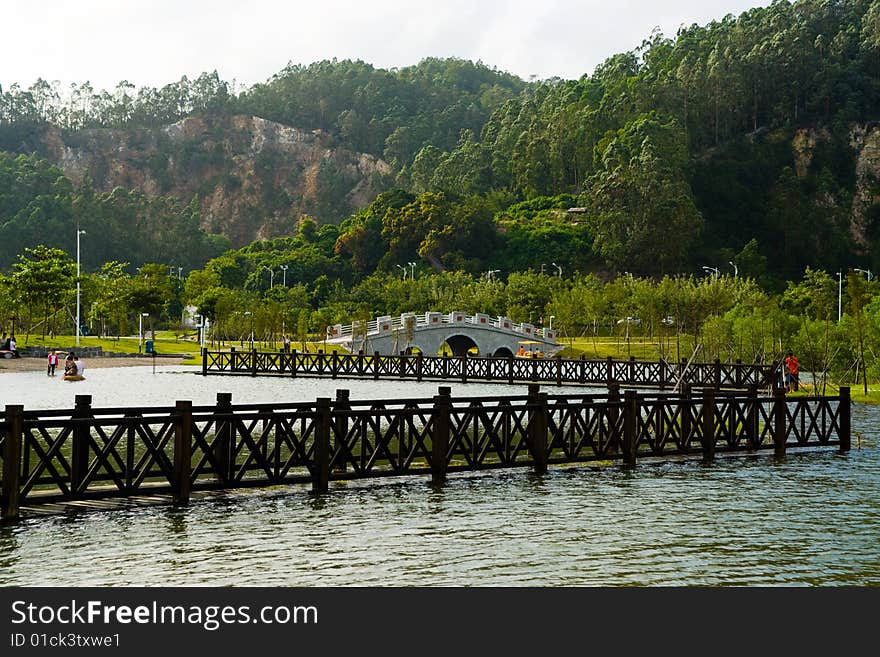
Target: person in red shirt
x,y
793,367
52,362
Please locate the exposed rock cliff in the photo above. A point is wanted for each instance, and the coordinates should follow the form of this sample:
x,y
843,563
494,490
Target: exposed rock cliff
x,y
254,178
866,195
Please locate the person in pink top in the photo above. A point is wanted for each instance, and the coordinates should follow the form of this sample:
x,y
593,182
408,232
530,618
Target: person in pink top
x,y
52,363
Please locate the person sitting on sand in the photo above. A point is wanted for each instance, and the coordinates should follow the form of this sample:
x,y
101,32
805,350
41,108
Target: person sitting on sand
x,y
69,365
79,365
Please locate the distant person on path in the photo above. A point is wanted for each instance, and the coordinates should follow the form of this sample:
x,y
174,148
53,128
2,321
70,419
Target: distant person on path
x,y
286,344
792,366
52,362
12,346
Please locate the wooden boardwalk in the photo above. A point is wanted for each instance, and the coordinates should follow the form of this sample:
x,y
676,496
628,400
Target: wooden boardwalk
x,y
557,371
92,458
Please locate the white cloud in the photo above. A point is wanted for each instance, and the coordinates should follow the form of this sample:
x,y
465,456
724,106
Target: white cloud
x,y
153,42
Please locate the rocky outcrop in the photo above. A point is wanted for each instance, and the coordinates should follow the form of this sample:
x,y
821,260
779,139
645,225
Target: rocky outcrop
x,y
866,141
253,178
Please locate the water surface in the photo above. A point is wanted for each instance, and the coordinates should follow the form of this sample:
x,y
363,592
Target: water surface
x,y
811,518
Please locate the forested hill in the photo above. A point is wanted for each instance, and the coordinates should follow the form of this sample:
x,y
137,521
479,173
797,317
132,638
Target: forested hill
x,y
752,139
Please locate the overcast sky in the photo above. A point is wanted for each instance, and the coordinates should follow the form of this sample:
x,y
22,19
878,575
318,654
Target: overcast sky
x,y
154,42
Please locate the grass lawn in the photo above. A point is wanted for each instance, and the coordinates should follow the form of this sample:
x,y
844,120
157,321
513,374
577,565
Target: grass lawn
x,y
641,348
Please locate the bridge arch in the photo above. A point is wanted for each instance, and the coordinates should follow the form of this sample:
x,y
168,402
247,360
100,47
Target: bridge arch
x,y
461,344
502,352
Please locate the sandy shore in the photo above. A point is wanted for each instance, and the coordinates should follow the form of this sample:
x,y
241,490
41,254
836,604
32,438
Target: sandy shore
x,y
34,364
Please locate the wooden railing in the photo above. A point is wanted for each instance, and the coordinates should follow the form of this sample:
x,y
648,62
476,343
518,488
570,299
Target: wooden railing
x,y
57,455
657,374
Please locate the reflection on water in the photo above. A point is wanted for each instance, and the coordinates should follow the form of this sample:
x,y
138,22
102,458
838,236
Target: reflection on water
x,y
811,518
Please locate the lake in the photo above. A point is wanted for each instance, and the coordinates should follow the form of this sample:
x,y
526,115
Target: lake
x,y
810,518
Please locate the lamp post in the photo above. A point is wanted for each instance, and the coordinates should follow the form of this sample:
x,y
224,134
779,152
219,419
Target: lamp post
x,y
248,313
839,294
284,277
735,268
491,273
141,331
866,272
412,271
714,270
271,276
542,267
552,317
179,272
404,270
78,233
558,268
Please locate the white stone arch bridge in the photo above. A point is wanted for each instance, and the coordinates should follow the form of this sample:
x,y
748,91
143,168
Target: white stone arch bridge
x,y
492,336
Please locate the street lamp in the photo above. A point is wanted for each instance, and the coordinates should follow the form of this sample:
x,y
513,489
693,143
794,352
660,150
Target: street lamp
x,y
735,268
141,331
78,233
247,313
865,271
839,294
715,270
542,267
412,271
557,267
284,278
404,270
271,276
179,272
552,317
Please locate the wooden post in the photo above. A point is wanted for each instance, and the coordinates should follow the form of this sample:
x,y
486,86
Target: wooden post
x,y
334,365
510,362
321,479
845,419
717,373
204,361
613,411
707,435
780,417
182,452
419,365
445,372
609,372
440,434
232,363
360,362
630,426
401,370
558,370
376,365
537,427
685,415
631,370
661,369
79,460
464,366
10,492
293,363
223,441
254,361
752,415
341,429
738,373
582,369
